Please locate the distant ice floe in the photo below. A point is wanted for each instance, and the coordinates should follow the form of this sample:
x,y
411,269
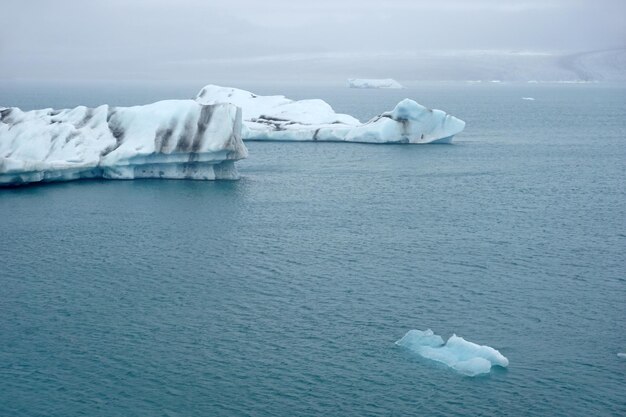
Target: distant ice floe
x,y
562,81
621,355
528,98
279,118
175,139
576,81
373,83
465,357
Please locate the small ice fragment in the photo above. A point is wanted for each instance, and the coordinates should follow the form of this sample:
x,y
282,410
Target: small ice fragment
x,y
465,357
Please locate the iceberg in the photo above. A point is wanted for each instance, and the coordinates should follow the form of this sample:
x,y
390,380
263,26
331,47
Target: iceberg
x,y
373,83
465,357
528,98
408,122
174,139
621,355
279,118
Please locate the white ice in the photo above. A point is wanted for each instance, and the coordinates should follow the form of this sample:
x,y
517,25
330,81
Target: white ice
x,y
279,118
168,139
408,122
373,83
465,357
528,98
622,355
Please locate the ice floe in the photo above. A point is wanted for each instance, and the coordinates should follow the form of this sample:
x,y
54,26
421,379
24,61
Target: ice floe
x,y
465,357
373,83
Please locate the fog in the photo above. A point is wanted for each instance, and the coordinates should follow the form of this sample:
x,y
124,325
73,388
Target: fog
x,y
308,41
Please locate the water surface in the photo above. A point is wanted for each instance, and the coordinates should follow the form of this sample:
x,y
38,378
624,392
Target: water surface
x,y
283,293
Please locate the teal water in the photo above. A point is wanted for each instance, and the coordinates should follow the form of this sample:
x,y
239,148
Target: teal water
x,y
283,293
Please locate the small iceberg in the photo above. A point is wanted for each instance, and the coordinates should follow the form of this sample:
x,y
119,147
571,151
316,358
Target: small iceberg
x,y
528,98
465,357
373,83
621,355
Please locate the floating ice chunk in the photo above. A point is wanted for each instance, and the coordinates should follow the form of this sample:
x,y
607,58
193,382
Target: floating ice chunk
x,y
528,98
373,83
621,355
279,118
465,357
168,139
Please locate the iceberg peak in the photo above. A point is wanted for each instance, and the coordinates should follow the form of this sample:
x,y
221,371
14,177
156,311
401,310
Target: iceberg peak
x,y
407,109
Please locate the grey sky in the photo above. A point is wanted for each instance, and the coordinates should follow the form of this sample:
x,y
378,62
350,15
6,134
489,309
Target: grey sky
x,y
159,39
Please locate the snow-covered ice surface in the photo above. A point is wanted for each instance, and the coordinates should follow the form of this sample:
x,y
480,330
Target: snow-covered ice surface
x,y
279,118
465,357
175,139
373,83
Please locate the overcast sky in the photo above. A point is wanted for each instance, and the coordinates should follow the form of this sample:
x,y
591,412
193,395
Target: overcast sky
x,y
137,39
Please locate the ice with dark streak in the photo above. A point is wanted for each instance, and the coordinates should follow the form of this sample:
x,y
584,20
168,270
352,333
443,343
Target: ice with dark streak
x,y
173,139
279,118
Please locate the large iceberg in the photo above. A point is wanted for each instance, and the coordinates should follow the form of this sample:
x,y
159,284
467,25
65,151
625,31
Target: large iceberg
x,y
373,83
465,357
279,118
176,139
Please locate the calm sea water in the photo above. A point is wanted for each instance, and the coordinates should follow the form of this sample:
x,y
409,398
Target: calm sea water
x,y
283,293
